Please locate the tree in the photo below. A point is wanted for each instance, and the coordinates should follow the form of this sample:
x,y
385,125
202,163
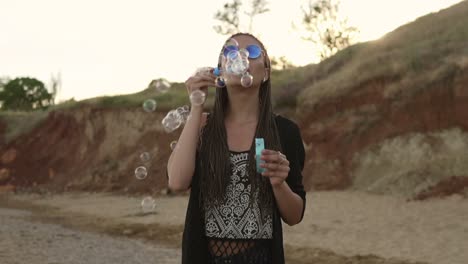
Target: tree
x,y
55,85
230,16
281,63
258,7
3,81
322,25
25,94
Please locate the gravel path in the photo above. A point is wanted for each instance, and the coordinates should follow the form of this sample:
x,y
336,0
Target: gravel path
x,y
23,241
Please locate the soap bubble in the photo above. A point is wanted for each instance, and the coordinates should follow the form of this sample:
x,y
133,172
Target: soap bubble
x,y
149,105
240,67
233,55
141,173
148,204
145,157
173,144
183,109
161,85
237,61
231,44
171,121
228,67
219,82
244,53
184,112
197,97
246,80
222,59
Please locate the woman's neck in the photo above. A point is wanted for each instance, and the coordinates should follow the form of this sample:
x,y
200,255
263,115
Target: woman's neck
x,y
243,108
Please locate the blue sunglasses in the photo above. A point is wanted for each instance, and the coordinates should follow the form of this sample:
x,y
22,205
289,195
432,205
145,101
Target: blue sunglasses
x,y
254,50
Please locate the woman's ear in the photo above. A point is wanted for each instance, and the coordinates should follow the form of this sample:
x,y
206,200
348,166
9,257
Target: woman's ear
x,y
267,75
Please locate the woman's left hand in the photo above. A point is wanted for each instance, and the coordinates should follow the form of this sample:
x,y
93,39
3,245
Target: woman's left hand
x,y
276,165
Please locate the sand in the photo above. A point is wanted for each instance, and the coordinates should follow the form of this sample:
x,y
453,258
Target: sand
x,y
343,225
23,241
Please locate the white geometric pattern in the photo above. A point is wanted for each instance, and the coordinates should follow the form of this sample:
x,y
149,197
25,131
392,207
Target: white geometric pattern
x,y
233,218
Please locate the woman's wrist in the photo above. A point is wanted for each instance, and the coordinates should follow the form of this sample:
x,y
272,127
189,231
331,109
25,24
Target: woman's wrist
x,y
279,186
196,109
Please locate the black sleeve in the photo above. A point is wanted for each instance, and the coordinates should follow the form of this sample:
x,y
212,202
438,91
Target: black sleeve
x,y
295,153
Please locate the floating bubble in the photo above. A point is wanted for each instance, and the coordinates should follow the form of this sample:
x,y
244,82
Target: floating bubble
x,y
222,59
228,67
219,82
233,55
141,173
171,121
197,97
237,62
244,53
239,67
231,44
145,157
183,112
173,144
246,80
161,85
148,204
149,105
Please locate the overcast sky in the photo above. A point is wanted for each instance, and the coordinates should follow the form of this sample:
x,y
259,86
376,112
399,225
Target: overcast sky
x,y
117,47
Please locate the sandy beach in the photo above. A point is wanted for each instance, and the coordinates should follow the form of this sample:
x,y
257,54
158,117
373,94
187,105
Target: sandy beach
x,y
338,226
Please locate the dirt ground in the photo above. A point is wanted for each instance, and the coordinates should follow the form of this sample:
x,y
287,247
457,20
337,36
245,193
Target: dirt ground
x,y
25,241
338,226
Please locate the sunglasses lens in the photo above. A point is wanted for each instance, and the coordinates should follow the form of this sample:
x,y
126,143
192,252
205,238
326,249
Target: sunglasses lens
x,y
254,51
228,49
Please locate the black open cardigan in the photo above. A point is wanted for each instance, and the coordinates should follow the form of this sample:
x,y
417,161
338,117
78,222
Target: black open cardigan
x,y
194,243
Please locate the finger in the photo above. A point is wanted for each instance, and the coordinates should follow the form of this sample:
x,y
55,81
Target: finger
x,y
275,167
270,166
275,174
274,158
204,77
200,85
269,152
269,158
209,75
282,155
210,79
203,69
284,162
197,79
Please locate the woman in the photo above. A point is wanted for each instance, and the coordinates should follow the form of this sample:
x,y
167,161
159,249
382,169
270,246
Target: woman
x,y
234,213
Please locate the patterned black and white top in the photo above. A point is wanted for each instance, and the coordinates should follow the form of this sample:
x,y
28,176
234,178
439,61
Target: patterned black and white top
x,y
234,218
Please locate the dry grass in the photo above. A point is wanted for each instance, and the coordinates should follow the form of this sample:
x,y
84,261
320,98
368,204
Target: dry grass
x,y
409,164
412,56
19,123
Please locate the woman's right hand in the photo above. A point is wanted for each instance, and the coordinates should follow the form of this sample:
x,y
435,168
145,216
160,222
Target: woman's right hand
x,y
201,80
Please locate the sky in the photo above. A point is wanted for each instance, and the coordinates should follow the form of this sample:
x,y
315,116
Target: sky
x,y
103,47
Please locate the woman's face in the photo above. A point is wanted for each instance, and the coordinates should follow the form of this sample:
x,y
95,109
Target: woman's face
x,y
256,66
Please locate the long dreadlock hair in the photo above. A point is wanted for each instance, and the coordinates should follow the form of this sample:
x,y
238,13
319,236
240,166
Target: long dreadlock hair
x,y
215,163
